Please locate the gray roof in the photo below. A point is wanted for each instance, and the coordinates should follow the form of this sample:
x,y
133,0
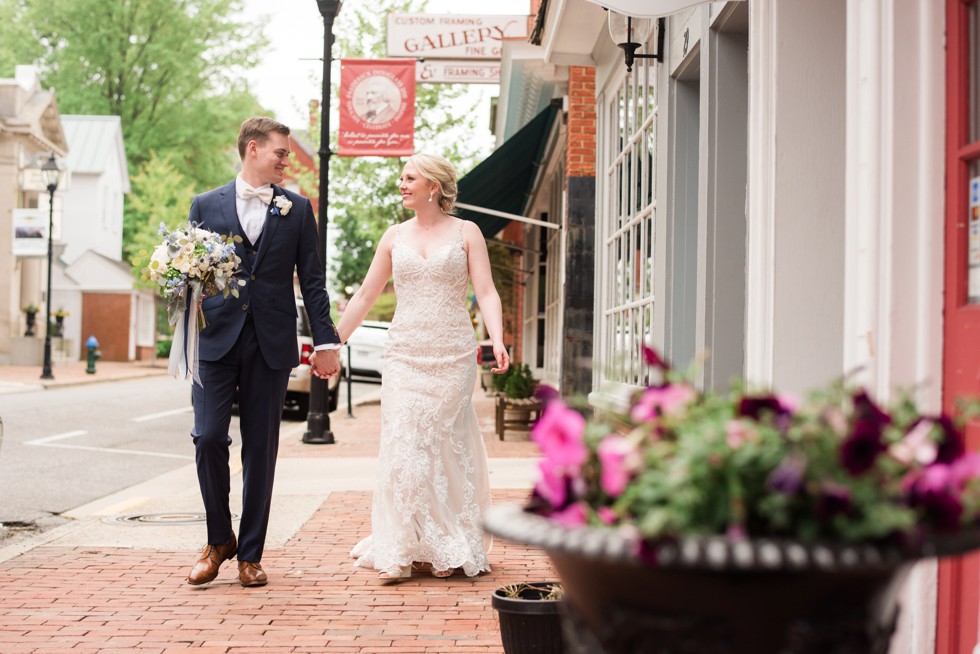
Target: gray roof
x,y
91,140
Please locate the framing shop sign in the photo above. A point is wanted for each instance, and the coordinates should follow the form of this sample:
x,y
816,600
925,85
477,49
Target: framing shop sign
x,y
452,71
452,36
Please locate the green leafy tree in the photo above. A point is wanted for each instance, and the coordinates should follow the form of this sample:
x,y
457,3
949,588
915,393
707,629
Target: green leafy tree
x,y
364,197
161,194
171,69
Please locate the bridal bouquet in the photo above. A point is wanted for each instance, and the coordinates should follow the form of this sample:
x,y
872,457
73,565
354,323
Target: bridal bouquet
x,y
190,264
836,467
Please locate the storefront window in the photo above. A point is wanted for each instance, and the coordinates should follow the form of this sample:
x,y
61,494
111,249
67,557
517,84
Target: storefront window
x,y
628,141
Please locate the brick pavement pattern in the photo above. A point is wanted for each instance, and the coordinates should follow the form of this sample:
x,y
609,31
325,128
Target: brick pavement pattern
x,y
80,600
59,600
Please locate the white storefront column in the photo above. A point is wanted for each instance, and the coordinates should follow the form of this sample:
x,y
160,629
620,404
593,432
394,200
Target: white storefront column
x,y
795,230
894,226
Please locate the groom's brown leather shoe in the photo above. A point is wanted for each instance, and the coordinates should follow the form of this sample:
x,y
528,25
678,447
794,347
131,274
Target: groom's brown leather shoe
x,y
251,574
206,568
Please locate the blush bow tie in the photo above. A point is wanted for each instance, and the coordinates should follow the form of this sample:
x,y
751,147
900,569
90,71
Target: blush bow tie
x,y
264,194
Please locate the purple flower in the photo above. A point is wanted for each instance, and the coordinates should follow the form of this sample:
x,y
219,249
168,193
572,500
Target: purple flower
x,y
861,448
546,394
788,476
559,435
951,445
619,458
657,401
935,492
834,499
653,358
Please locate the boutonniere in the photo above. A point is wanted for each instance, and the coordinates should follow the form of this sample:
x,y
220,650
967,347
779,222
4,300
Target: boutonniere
x,y
283,205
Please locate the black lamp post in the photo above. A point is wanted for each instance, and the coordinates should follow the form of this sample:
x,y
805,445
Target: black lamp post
x,y
51,175
318,418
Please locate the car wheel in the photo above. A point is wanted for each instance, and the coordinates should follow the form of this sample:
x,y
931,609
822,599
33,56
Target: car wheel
x,y
303,405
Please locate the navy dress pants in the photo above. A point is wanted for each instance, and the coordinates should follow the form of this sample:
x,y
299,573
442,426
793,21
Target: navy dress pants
x,y
261,394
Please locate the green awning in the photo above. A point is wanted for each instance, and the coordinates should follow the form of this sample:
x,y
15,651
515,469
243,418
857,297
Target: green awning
x,y
504,181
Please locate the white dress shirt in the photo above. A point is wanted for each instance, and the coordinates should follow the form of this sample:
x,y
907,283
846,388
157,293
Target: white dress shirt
x,y
251,212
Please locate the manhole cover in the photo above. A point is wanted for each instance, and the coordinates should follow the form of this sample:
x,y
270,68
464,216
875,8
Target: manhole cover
x,y
171,518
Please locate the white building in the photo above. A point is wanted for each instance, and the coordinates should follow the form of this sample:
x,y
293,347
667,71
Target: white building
x,y
787,190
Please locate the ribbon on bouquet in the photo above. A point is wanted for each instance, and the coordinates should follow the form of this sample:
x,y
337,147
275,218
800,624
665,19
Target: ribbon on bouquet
x,y
184,349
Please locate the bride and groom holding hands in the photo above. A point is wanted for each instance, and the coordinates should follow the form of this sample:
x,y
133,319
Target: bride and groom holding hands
x,y
432,487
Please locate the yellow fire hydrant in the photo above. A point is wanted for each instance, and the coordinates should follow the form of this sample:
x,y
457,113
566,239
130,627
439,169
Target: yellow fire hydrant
x,y
93,354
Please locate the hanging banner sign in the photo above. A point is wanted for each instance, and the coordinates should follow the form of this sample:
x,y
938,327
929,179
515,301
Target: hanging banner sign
x,y
447,71
30,232
377,108
452,36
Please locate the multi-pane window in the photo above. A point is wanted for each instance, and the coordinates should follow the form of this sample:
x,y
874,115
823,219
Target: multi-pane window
x,y
628,117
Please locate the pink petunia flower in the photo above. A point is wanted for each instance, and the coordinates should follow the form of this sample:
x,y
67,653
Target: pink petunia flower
x,y
573,516
551,485
661,400
620,459
916,445
607,515
559,435
737,433
965,469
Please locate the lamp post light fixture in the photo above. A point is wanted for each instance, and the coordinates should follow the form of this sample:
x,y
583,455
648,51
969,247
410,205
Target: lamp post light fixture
x,y
318,417
629,33
51,175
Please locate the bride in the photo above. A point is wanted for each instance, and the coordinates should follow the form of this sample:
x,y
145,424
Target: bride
x,y
433,486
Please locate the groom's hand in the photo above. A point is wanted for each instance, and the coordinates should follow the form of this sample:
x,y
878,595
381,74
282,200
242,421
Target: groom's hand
x,y
325,363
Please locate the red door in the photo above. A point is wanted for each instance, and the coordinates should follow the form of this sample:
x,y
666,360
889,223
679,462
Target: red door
x,y
958,628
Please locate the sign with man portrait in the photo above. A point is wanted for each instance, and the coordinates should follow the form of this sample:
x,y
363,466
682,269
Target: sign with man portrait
x,y
377,107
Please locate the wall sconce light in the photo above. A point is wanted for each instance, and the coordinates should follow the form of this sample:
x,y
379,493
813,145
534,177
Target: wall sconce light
x,y
629,33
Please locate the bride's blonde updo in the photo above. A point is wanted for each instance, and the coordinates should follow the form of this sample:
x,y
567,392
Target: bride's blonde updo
x,y
436,169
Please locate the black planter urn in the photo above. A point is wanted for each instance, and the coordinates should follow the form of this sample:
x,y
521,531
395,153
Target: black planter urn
x,y
711,595
529,622
31,322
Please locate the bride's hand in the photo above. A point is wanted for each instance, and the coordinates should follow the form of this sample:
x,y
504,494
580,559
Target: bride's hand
x,y
502,358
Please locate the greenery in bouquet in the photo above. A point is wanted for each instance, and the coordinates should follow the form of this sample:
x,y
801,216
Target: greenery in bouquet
x,y
836,467
192,261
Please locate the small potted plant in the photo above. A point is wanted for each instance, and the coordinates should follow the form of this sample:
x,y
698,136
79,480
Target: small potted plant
x,y
59,321
744,517
30,310
528,616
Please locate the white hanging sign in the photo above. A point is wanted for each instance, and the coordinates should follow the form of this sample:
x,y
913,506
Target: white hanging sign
x,y
452,36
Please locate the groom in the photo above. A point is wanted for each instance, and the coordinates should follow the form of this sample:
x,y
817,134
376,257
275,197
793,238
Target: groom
x,y
249,344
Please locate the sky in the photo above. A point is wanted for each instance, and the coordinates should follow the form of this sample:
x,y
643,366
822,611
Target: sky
x,y
288,77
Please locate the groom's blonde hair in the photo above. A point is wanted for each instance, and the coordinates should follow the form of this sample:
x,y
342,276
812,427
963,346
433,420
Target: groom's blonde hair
x,y
436,169
257,128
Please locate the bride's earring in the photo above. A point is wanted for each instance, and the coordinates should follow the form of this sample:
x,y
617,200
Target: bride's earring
x,y
430,196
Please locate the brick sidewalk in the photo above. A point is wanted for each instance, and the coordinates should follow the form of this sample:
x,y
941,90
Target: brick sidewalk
x,y
60,599
77,600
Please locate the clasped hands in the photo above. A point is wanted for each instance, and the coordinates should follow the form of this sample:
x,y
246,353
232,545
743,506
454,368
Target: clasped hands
x,y
325,363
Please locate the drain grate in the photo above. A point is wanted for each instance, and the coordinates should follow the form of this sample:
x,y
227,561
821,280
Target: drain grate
x,y
170,518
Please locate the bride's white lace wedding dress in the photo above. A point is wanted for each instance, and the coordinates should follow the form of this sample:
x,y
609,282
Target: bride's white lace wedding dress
x,y
433,486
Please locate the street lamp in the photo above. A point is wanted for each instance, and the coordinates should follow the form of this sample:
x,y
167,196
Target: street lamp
x,y
318,417
629,33
51,175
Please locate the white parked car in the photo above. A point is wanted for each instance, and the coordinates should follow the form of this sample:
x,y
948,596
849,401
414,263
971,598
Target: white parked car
x,y
365,348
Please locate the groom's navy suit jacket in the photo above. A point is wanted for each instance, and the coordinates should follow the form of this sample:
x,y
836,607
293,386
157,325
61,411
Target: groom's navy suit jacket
x,y
288,242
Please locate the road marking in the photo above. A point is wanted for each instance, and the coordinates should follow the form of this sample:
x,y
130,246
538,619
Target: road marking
x,y
56,437
163,414
51,441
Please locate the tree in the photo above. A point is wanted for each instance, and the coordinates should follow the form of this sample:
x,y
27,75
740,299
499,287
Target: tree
x,y
161,194
364,197
171,69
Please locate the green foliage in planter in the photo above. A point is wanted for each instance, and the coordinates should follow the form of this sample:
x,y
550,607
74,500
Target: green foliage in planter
x,y
521,383
163,347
